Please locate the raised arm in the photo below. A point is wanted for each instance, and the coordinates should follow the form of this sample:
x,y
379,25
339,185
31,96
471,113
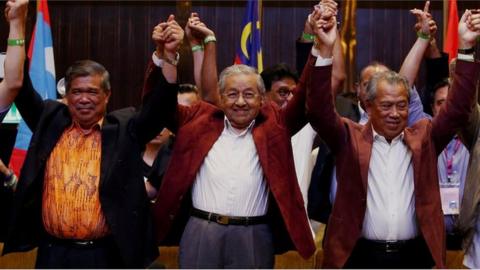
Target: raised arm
x,y
209,75
412,61
328,8
320,102
470,132
461,98
196,44
168,37
426,29
16,14
160,96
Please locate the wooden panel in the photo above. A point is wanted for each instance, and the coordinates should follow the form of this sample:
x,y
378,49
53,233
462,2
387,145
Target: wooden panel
x,y
118,34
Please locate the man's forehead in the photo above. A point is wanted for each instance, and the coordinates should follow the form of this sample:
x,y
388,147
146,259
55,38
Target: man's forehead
x,y
241,82
391,90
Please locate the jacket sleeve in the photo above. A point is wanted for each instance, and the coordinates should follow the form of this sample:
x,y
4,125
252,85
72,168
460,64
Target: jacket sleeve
x,y
159,105
320,107
294,112
459,105
29,103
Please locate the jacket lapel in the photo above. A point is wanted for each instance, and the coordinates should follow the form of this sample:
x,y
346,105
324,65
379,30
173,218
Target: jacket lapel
x,y
109,139
365,152
261,143
206,136
414,144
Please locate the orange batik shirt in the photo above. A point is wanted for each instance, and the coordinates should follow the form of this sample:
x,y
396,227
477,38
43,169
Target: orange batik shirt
x,y
71,205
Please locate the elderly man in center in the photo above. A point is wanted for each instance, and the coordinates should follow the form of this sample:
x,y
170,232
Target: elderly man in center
x,y
232,178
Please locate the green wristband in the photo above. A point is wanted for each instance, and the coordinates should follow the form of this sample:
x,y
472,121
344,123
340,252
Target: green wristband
x,y
422,35
308,37
209,39
15,42
197,48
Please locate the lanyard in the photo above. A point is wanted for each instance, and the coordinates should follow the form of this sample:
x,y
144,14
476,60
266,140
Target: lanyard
x,y
449,161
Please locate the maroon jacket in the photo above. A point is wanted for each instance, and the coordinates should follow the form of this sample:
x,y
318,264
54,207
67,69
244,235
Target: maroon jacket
x,y
198,127
352,144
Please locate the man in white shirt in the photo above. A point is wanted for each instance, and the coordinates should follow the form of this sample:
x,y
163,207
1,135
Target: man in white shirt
x,y
236,162
387,211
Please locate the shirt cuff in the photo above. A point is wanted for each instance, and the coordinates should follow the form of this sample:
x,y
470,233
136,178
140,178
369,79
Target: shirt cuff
x,y
320,60
466,57
157,61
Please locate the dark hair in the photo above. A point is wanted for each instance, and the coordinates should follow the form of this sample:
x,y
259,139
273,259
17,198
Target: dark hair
x,y
187,88
85,68
444,82
276,73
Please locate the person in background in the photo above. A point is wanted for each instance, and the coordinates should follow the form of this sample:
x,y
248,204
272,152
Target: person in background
x,y
158,151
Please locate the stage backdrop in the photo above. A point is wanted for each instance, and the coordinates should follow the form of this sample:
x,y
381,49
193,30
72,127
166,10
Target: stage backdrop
x,y
118,34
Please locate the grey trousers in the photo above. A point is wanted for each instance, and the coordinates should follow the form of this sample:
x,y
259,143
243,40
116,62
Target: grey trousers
x,y
207,244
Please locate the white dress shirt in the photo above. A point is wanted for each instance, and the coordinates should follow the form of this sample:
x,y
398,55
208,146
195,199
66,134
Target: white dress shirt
x,y
230,180
363,115
302,143
390,211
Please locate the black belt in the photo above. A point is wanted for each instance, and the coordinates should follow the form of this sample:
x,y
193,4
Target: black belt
x,y
228,220
79,243
389,246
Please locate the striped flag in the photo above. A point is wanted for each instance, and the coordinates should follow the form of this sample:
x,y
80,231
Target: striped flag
x,y
250,49
42,74
450,45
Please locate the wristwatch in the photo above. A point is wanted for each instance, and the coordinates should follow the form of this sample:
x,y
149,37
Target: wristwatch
x,y
173,62
467,51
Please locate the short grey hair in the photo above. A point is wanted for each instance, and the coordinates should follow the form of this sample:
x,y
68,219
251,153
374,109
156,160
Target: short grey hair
x,y
390,77
240,69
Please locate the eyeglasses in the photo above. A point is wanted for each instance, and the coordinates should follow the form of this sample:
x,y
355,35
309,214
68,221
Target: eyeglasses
x,y
234,96
284,92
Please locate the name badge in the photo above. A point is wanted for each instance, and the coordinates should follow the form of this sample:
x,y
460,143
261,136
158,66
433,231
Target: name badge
x,y
450,200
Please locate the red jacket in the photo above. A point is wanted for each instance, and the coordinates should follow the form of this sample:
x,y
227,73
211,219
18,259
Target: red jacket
x,y
352,144
198,127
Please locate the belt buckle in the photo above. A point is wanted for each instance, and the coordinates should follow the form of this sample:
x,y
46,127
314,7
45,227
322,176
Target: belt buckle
x,y
390,246
84,243
222,220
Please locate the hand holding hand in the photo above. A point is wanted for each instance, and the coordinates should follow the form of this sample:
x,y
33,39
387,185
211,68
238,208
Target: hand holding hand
x,y
16,10
468,29
192,21
325,37
173,35
199,30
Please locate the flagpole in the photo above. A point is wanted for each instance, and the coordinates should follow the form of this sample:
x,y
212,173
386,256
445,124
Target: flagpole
x,y
445,18
260,12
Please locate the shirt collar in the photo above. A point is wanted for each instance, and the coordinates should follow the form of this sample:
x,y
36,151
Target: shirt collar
x,y
96,126
377,136
232,130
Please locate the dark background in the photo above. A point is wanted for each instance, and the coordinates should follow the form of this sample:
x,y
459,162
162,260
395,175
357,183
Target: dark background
x,y
118,34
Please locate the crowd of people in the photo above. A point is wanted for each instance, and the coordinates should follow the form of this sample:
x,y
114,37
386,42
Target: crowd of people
x,y
237,167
